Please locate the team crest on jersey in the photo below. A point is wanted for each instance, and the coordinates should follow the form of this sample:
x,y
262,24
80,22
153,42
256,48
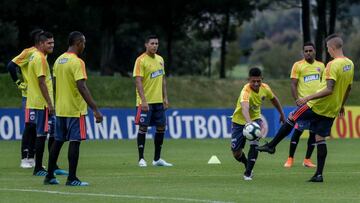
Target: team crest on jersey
x,y
63,60
312,77
156,73
262,98
318,69
346,68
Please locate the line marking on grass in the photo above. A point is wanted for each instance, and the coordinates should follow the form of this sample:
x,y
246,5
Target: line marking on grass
x,y
114,195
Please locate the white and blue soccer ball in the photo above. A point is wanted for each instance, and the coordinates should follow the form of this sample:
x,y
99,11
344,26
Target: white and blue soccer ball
x,y
252,131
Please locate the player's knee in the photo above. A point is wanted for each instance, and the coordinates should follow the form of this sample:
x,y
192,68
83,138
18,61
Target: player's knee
x,y
318,138
160,129
237,154
143,129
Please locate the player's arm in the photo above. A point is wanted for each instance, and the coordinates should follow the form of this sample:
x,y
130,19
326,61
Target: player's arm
x,y
276,103
13,69
45,94
344,100
164,92
140,89
294,91
85,93
330,84
245,111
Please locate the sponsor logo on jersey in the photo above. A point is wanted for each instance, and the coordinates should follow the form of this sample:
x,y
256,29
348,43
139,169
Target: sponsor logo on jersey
x,y
346,68
309,78
157,73
63,60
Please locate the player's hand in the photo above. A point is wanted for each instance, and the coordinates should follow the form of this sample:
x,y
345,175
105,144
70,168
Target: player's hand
x,y
51,110
301,101
342,112
21,85
144,106
166,103
98,116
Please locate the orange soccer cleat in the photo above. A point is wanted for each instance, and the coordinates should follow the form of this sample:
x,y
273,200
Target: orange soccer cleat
x,y
289,162
308,163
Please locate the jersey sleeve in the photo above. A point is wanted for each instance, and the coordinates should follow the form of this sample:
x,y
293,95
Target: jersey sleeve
x,y
138,68
295,71
40,66
245,94
269,93
80,71
330,72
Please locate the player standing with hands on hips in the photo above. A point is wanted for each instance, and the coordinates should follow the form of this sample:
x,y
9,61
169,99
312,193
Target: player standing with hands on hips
x,y
151,99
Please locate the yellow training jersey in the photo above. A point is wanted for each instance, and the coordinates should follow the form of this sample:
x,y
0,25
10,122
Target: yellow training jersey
x,y
152,70
68,69
255,101
38,66
22,60
308,76
341,70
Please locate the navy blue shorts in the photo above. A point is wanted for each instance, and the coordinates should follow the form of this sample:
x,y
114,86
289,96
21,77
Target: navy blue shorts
x,y
154,117
70,129
39,118
320,125
238,140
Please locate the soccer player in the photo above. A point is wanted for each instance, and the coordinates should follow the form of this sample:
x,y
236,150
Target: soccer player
x,y
151,99
248,109
305,78
322,107
72,97
39,103
20,64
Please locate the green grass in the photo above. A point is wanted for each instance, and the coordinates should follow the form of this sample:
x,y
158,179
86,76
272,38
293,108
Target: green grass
x,y
111,168
183,92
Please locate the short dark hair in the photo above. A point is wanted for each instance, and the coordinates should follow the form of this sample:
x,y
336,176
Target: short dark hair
x,y
254,72
34,34
43,36
309,44
74,37
337,40
149,37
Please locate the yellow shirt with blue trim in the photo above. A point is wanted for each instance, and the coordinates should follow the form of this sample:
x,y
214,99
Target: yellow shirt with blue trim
x,y
341,70
22,60
152,70
68,69
308,76
38,66
255,100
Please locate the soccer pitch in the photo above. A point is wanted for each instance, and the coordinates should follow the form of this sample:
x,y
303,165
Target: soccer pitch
x,y
114,176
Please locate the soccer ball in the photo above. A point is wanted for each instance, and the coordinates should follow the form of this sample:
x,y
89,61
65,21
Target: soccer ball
x,y
252,131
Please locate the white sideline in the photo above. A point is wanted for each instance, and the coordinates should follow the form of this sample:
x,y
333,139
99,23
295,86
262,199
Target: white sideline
x,y
114,195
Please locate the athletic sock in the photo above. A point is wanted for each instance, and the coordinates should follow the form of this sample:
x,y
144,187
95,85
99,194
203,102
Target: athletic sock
x,y
50,143
252,156
53,157
32,139
321,156
284,131
141,144
310,145
73,157
39,146
25,141
294,142
242,159
158,141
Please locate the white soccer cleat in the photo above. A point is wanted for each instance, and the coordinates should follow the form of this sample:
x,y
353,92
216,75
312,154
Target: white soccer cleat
x,y
247,178
31,162
142,163
161,162
25,164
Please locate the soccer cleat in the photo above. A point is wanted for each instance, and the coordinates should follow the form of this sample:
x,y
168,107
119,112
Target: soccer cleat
x,y
308,163
316,179
161,162
142,163
246,177
266,148
289,162
51,181
61,172
76,183
41,172
31,161
25,164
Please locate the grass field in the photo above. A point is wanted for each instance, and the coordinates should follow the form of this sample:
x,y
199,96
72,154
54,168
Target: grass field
x,y
111,168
